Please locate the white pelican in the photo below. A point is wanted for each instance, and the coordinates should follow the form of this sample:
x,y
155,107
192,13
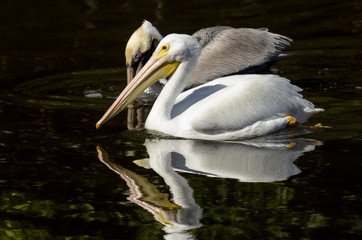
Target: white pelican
x,y
228,108
243,50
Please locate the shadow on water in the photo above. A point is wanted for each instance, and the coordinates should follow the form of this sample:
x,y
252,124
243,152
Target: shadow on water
x,y
61,67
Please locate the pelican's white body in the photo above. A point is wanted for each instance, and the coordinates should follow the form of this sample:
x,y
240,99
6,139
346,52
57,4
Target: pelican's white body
x,y
228,108
233,107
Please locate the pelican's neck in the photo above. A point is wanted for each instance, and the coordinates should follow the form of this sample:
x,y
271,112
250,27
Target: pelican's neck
x,y
161,110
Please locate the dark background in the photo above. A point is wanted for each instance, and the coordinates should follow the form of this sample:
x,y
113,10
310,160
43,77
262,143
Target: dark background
x,y
46,37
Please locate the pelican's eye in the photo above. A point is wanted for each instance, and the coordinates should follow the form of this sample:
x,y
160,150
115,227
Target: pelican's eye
x,y
163,50
136,56
165,47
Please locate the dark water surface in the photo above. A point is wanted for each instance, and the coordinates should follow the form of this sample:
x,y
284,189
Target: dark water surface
x,y
61,65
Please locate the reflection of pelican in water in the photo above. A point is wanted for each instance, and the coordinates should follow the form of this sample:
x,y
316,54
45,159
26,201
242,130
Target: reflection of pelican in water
x,y
260,160
234,107
182,215
243,50
248,161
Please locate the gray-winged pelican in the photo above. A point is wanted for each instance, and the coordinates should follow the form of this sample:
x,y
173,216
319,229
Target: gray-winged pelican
x,y
244,50
227,108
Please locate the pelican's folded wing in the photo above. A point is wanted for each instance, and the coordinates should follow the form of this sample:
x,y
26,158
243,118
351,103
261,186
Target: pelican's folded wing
x,y
227,51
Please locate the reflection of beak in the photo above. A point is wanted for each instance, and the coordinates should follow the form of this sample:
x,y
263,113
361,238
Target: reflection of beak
x,y
143,193
158,67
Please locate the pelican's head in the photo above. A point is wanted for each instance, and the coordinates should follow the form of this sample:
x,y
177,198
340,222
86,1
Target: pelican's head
x,y
171,51
140,47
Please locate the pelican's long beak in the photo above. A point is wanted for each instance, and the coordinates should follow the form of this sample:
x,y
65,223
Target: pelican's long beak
x,y
132,70
159,66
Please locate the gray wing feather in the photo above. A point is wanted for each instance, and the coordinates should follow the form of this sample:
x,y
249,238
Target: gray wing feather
x,y
227,51
205,35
